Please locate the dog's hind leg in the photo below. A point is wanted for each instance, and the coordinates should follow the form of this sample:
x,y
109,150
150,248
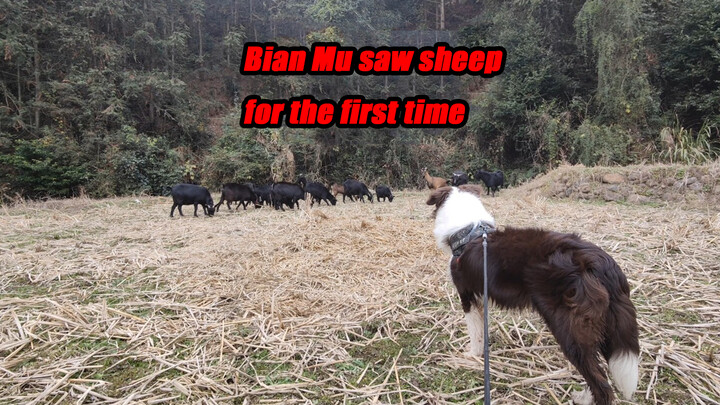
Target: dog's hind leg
x,y
585,358
579,334
474,320
582,349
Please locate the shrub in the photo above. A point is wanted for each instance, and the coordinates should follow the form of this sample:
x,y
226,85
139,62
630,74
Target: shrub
x,y
688,148
137,163
599,145
237,157
45,167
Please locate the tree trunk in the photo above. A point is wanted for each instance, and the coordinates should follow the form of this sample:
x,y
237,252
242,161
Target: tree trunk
x,y
200,39
37,82
442,14
235,13
19,86
172,50
151,108
252,16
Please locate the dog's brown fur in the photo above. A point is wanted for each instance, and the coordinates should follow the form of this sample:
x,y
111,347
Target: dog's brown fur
x,y
576,287
438,197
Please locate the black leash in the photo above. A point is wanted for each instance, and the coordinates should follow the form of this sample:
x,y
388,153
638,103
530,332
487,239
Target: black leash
x,y
486,343
457,243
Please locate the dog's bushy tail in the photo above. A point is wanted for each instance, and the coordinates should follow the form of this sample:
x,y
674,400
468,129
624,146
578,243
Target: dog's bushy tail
x,y
622,347
590,300
619,345
601,317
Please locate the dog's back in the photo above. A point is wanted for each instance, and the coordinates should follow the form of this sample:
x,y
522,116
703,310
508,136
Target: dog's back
x,y
576,287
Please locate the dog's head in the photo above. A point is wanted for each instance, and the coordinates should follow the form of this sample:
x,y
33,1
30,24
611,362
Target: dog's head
x,y
456,208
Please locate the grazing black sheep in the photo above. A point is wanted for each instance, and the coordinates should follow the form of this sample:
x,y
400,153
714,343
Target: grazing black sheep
x,y
240,193
263,193
186,194
354,188
383,192
288,194
320,193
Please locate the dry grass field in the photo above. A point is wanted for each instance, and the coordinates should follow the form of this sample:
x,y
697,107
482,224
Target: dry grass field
x,y
112,301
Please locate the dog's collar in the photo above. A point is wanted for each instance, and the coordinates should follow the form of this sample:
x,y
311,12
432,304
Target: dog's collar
x,y
459,239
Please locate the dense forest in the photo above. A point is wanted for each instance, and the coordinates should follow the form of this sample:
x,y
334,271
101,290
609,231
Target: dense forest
x,y
114,97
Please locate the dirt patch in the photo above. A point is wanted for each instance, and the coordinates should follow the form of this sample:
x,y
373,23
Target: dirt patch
x,y
696,186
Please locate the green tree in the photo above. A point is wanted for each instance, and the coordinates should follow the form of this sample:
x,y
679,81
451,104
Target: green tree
x,y
45,167
684,55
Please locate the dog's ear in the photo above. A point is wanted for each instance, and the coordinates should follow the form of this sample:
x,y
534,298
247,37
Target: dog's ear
x,y
438,197
475,189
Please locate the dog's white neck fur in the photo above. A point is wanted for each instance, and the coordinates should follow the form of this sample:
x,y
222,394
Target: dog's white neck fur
x,y
459,210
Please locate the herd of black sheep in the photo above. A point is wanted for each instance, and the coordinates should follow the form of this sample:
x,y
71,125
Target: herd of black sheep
x,y
289,194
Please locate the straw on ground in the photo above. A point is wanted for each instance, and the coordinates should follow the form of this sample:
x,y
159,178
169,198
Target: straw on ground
x,y
111,301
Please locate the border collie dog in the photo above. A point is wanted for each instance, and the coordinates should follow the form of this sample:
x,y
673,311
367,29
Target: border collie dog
x,y
576,287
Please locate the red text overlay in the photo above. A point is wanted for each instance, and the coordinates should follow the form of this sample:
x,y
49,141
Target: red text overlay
x,y
329,58
353,112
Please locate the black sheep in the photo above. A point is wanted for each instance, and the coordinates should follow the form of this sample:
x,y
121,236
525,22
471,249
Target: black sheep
x,y
320,193
383,192
263,193
240,193
288,194
459,178
493,181
186,194
354,188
